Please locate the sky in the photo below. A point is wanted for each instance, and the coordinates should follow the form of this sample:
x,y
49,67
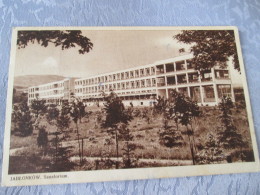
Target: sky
x,y
112,50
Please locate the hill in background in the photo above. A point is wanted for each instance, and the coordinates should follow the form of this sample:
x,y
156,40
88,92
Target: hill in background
x,y
23,82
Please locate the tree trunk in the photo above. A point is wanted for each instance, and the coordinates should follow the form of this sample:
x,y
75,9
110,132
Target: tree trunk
x,y
191,147
78,143
82,143
117,150
195,149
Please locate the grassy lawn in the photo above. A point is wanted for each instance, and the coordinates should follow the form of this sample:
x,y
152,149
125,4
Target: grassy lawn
x,y
146,137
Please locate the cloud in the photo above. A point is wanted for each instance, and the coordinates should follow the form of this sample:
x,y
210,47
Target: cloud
x,y
50,62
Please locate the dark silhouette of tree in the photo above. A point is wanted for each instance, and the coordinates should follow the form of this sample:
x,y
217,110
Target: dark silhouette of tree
x,y
42,139
60,119
211,152
38,106
229,137
185,111
115,114
63,121
129,160
19,97
210,47
75,113
64,38
21,116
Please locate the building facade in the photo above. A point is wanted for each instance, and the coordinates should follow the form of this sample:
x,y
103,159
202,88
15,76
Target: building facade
x,y
54,92
140,86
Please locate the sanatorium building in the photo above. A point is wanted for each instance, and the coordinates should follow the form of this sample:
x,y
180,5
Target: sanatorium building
x,y
140,86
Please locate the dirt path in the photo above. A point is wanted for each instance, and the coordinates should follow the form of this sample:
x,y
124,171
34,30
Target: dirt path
x,y
145,160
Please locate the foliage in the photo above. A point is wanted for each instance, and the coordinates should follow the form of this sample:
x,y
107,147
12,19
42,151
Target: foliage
x,y
22,119
211,152
116,114
160,105
229,136
42,139
38,106
66,39
61,154
171,138
52,114
115,111
76,114
129,147
182,110
19,97
60,119
146,114
210,47
63,120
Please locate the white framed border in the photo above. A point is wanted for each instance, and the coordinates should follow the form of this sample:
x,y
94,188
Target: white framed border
x,y
122,174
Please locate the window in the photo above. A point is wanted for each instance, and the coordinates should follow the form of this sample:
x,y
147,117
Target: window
x,y
221,74
147,70
193,77
160,69
137,84
148,82
160,81
169,67
180,65
154,82
206,76
171,80
137,73
126,75
152,70
208,94
142,83
195,93
189,64
142,72
181,78
224,91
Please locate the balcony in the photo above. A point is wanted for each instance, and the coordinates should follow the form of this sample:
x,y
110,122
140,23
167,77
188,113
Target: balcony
x,y
180,66
160,69
170,67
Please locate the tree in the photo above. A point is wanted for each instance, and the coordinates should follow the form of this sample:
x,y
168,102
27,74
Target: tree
x,y
38,106
210,47
61,120
64,38
129,161
75,113
171,137
115,115
22,118
211,152
185,111
42,139
229,136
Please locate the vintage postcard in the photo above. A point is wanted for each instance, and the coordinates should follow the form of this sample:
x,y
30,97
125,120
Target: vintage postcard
x,y
88,104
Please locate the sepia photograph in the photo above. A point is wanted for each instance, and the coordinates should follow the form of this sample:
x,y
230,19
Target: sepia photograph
x,y
127,102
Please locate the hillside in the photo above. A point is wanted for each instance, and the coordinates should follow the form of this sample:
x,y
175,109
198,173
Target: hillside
x,y
22,82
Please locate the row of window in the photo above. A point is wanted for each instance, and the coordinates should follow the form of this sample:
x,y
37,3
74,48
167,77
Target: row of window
x,y
159,69
206,93
118,86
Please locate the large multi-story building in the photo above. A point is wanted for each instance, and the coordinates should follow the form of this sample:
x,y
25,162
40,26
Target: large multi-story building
x,y
143,84
140,86
54,92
